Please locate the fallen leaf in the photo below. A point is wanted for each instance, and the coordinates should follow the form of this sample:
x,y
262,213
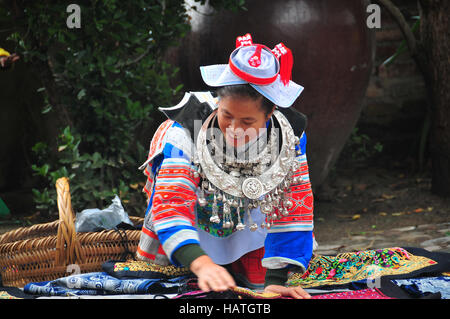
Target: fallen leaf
x,y
134,186
429,209
386,196
398,214
383,198
419,210
361,187
356,216
382,213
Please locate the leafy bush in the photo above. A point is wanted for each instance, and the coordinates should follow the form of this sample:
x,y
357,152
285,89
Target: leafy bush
x,y
361,147
103,81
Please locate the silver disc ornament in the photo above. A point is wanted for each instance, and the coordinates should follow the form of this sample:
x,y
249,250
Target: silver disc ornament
x,y
252,188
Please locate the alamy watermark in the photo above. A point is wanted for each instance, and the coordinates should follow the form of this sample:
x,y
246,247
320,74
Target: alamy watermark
x,y
374,19
73,282
73,21
74,18
374,277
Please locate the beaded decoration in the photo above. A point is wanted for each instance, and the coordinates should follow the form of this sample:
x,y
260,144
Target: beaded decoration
x,y
143,266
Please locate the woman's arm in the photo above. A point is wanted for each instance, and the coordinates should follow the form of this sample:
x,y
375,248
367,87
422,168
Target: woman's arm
x,y
290,239
210,275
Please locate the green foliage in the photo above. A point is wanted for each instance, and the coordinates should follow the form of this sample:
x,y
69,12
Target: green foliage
x,y
83,171
361,147
104,80
402,47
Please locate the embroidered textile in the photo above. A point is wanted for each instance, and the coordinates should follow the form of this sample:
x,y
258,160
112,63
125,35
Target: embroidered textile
x,y
420,286
5,295
100,283
371,293
234,293
142,269
244,293
347,267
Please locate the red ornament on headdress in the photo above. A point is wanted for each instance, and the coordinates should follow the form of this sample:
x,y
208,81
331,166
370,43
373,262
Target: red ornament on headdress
x,y
244,40
255,59
284,55
281,52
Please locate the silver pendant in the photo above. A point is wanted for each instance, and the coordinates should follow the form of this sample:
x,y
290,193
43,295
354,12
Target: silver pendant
x,y
252,188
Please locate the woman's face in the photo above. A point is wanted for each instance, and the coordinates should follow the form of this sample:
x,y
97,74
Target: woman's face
x,y
240,119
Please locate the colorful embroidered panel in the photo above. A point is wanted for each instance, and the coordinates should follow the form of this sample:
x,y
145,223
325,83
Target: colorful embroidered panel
x,y
371,293
143,269
5,295
216,229
347,267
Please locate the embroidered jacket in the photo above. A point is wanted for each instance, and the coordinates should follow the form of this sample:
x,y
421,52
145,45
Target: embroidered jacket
x,y
173,218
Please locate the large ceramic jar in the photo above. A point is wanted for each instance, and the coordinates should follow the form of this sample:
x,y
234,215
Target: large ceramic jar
x,y
333,52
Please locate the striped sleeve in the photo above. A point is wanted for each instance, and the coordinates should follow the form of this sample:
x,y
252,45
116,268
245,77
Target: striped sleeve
x,y
174,197
153,160
290,240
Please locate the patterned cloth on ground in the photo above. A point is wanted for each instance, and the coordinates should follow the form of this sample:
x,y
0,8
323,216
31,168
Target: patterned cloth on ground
x,y
326,275
370,293
362,265
419,287
5,295
134,269
100,283
243,293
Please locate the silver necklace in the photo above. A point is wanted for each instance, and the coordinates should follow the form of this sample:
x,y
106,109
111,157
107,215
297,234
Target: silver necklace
x,y
265,188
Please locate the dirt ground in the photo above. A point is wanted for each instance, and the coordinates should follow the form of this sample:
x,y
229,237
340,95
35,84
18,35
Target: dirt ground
x,y
360,200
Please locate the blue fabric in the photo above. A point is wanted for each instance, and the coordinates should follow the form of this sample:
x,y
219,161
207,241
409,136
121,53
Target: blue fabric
x,y
296,245
302,144
419,287
164,234
100,283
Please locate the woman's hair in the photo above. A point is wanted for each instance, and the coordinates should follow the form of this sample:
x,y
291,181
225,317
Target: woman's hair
x,y
246,91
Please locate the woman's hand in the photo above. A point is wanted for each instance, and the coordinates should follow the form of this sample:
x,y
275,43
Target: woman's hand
x,y
295,292
210,275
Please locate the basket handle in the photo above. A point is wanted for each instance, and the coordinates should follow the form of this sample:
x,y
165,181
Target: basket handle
x,y
67,245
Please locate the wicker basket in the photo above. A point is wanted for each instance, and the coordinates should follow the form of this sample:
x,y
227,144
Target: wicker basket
x,y
53,250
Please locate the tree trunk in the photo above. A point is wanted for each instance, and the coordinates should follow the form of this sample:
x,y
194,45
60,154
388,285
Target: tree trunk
x,y
435,38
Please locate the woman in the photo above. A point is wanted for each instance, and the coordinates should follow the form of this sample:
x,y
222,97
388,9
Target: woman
x,y
228,180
